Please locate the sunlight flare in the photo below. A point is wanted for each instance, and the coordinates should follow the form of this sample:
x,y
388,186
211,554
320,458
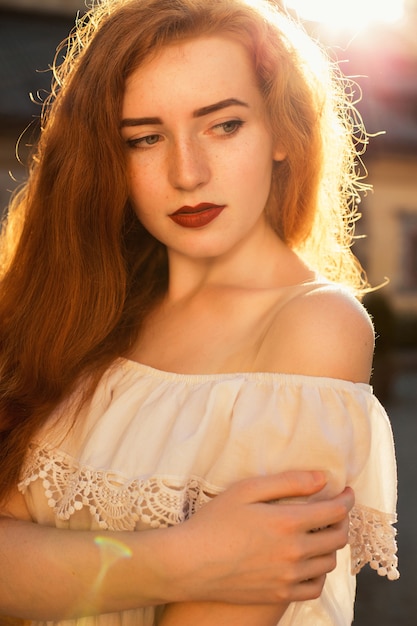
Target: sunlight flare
x,y
355,14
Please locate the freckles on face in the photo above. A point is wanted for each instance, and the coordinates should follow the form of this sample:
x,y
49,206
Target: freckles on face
x,y
195,129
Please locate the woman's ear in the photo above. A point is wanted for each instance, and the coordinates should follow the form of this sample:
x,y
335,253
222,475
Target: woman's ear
x,y
279,154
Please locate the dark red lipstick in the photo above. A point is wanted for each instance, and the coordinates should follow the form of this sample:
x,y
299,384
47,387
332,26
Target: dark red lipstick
x,y
196,216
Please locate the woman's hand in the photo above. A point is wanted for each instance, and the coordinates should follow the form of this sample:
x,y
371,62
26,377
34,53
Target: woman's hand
x,y
242,549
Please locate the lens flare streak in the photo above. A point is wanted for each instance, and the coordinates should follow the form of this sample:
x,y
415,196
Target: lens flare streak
x,y
111,551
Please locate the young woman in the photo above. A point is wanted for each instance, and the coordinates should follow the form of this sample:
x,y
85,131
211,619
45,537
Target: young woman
x,y
178,315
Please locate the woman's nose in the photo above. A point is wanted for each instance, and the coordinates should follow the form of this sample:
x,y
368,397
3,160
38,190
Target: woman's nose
x,y
188,166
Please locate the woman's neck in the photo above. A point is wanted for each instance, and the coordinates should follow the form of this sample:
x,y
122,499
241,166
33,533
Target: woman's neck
x,y
263,262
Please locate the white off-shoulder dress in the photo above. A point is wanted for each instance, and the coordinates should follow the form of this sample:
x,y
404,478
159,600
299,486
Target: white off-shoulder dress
x,y
151,447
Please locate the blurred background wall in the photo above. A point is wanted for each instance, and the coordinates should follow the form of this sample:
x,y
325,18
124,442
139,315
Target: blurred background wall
x,y
30,31
64,7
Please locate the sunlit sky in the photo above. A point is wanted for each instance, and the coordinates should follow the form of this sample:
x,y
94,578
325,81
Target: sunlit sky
x,y
348,14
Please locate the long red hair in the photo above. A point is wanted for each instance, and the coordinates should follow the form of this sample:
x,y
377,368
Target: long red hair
x,y
78,271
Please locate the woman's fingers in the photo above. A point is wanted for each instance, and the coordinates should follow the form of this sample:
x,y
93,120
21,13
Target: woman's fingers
x,y
322,514
279,486
261,551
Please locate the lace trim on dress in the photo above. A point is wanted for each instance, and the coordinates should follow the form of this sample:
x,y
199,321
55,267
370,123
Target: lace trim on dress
x,y
118,503
114,501
372,540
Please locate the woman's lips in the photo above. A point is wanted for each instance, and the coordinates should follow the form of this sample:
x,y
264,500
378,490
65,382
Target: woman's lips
x,y
197,216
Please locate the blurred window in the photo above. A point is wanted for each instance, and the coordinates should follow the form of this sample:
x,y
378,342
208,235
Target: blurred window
x,y
409,251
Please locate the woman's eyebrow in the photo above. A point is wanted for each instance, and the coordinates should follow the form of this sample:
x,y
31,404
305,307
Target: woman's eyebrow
x,y
140,121
223,104
210,108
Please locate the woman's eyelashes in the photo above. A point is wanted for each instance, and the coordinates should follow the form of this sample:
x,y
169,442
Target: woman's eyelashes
x,y
223,129
230,127
144,142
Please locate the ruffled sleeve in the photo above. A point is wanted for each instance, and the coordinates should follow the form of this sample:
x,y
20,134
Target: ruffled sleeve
x,y
372,535
333,425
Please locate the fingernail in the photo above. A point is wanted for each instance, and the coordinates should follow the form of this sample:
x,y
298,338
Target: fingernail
x,y
319,477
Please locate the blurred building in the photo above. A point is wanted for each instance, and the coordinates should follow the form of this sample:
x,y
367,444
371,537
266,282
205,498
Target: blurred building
x,y
382,60
30,31
386,58
65,7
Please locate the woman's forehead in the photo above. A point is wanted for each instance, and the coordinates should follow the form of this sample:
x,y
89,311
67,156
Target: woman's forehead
x,y
205,68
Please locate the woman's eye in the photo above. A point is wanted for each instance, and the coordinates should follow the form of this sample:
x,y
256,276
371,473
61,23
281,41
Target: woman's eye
x,y
228,128
144,142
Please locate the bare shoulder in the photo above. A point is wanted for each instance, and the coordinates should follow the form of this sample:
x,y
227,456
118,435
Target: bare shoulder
x,y
323,331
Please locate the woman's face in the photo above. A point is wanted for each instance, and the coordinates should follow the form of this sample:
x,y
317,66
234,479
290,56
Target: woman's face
x,y
200,153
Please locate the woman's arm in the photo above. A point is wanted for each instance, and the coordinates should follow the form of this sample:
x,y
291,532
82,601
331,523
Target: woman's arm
x,y
213,613
236,549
